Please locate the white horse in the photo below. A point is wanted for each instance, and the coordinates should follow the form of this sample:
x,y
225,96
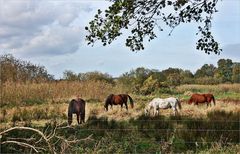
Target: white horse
x,y
157,103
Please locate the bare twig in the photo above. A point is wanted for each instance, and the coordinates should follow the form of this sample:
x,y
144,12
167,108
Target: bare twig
x,y
31,129
21,144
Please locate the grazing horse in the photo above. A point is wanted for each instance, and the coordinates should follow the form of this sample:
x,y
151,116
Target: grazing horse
x,y
118,100
76,106
202,98
158,103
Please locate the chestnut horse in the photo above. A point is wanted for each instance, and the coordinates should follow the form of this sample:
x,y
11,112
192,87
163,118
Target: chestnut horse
x,y
118,100
202,98
77,107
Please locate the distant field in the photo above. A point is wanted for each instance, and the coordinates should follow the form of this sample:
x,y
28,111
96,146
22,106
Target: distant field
x,y
197,129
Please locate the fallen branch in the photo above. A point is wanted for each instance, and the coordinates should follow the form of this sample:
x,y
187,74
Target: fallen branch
x,y
31,129
21,144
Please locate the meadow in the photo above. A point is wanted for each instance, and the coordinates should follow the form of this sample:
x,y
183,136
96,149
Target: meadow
x,y
43,106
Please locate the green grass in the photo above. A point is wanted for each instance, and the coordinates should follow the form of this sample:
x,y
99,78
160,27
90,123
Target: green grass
x,y
137,133
147,135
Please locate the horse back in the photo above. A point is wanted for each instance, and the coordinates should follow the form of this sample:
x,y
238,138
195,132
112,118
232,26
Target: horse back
x,y
209,97
77,106
118,99
198,98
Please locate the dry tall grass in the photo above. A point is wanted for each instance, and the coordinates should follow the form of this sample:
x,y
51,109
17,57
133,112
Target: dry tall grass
x,y
33,93
220,88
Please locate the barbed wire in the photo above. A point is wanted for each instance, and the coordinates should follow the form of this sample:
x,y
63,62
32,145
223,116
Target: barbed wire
x,y
160,129
149,120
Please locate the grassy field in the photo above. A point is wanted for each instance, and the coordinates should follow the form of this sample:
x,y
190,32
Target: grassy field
x,y
197,129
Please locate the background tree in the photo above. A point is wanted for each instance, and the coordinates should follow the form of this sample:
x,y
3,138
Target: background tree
x,y
186,77
143,17
96,76
135,78
207,70
236,73
16,70
69,75
172,76
149,85
224,71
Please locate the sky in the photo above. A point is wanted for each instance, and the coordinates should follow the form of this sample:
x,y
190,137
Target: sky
x,y
51,33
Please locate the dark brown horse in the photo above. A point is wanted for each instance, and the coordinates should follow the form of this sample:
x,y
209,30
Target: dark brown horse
x,y
118,100
76,106
202,98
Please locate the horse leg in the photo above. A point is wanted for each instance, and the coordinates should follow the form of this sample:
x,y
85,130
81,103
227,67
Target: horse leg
x,y
78,118
126,106
155,111
82,118
174,110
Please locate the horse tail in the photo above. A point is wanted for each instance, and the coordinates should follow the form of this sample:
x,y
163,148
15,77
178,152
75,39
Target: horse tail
x,y
70,111
131,101
179,104
213,100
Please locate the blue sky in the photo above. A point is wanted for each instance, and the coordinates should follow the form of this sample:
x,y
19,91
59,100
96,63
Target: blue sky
x,y
51,33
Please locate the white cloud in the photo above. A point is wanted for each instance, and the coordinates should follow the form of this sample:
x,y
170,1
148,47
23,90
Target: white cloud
x,y
41,27
53,41
232,50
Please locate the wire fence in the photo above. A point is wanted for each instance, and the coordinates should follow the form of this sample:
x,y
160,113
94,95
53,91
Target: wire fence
x,y
159,129
155,120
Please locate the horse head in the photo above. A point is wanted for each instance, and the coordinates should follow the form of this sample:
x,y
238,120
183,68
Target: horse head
x,y
106,107
190,101
146,111
108,101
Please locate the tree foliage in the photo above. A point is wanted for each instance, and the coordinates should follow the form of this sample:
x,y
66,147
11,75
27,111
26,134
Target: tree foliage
x,y
16,70
225,70
236,73
93,76
146,81
206,71
144,17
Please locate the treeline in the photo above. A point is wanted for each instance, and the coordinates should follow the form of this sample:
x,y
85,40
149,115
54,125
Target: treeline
x,y
89,76
146,81
140,80
16,70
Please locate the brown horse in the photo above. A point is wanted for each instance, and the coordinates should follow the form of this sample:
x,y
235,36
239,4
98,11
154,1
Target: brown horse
x,y
202,98
77,107
118,100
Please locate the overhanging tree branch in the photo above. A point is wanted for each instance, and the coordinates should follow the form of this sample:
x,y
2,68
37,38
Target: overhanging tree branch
x,y
141,17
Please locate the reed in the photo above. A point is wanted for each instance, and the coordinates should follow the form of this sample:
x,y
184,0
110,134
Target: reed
x,y
19,94
220,88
